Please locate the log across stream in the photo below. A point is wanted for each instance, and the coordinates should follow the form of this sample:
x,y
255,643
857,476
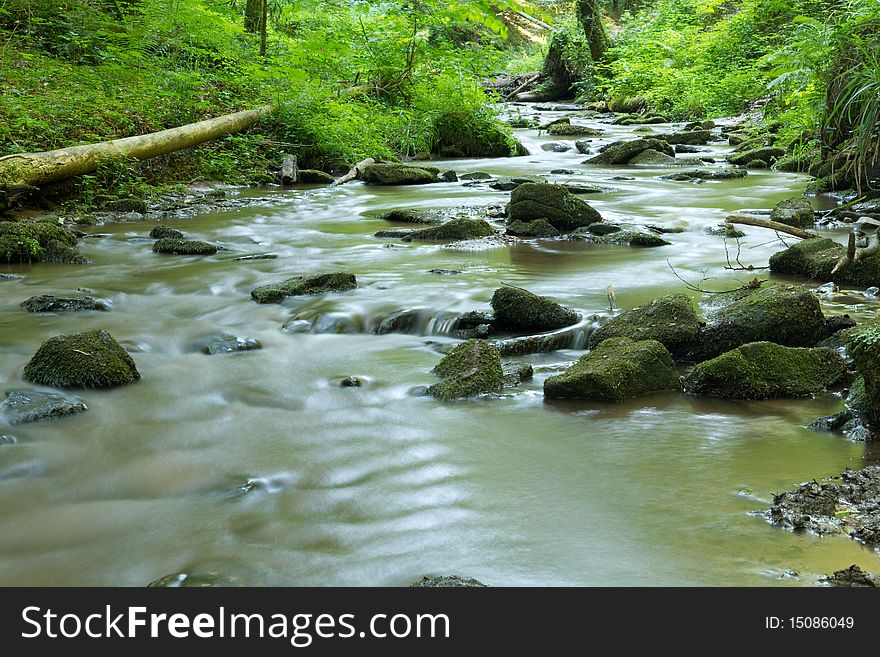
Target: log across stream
x,y
260,468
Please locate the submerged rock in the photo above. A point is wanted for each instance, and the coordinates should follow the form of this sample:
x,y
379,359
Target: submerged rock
x,y
399,174
520,310
403,216
23,406
815,258
796,211
164,232
82,360
553,203
650,157
184,247
617,369
789,316
509,184
670,320
446,581
536,228
517,372
863,346
452,231
46,303
227,344
304,285
472,368
762,370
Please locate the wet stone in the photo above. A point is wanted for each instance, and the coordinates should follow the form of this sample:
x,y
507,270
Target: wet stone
x,y
46,303
446,581
24,406
227,344
6,439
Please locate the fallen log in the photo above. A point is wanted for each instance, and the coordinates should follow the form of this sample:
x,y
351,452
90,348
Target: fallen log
x,y
37,169
772,225
354,172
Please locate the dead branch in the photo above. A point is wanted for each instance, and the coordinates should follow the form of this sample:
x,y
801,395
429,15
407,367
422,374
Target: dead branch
x,y
772,225
753,284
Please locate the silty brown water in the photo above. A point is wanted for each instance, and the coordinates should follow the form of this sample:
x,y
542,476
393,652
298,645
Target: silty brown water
x,y
260,468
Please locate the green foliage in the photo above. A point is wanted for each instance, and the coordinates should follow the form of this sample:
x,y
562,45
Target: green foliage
x,y
349,80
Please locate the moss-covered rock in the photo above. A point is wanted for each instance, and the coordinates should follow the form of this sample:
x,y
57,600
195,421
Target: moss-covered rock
x,y
313,177
768,154
520,310
82,360
472,368
126,205
670,320
46,303
304,285
24,406
452,231
164,232
651,157
554,203
689,137
622,152
536,228
863,346
616,370
404,216
627,104
787,315
184,247
570,130
399,174
35,241
796,211
624,236
707,174
761,370
816,258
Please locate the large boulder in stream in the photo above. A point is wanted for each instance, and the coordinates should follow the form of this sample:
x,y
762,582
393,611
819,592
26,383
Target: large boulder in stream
x,y
616,370
762,370
472,368
82,360
786,315
621,152
554,203
304,285
670,320
536,228
815,258
863,346
399,174
520,310
796,211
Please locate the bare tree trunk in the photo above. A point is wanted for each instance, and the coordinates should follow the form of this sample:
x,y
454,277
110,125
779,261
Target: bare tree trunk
x,y
50,166
590,18
772,225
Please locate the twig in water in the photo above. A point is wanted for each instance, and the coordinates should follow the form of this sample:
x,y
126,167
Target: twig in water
x,y
753,284
741,266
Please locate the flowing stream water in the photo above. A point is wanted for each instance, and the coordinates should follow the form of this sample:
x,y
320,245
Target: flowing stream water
x,y
258,468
